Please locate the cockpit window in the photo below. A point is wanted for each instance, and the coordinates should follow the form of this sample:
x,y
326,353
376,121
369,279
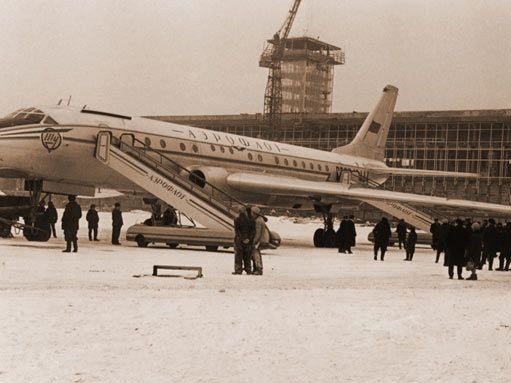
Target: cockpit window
x,y
29,116
49,121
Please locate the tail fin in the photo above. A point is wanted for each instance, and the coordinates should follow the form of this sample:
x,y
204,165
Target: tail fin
x,y
372,135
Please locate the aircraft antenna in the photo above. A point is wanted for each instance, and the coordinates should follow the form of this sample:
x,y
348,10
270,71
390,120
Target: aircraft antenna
x,y
69,100
60,102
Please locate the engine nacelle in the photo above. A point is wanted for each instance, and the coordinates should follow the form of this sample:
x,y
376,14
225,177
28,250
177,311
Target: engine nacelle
x,y
210,174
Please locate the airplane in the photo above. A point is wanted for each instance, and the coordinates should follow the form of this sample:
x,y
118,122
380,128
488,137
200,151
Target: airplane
x,y
204,173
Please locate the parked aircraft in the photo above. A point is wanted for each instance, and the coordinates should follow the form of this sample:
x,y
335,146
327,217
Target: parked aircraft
x,y
204,173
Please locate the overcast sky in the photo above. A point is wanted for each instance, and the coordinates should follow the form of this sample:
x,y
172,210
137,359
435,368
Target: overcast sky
x,y
201,56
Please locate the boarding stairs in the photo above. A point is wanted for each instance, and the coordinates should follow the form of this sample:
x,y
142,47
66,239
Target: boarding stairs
x,y
167,180
421,219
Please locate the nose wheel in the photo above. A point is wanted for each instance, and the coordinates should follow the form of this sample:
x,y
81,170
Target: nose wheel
x,y
37,226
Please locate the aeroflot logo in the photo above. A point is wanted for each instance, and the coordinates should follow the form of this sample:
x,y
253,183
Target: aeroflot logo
x,y
51,139
169,187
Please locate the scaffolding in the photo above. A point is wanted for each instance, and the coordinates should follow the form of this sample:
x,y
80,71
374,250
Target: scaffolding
x,y
307,74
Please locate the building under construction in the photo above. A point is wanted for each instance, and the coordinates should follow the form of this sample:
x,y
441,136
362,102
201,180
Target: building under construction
x,y
465,141
307,70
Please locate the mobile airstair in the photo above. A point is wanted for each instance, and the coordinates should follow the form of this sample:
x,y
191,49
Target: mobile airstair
x,y
419,218
165,179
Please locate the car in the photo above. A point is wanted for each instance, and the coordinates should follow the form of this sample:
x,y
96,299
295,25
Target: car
x,y
176,235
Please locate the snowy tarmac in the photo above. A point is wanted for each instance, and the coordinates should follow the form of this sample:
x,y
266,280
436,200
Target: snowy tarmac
x,y
314,316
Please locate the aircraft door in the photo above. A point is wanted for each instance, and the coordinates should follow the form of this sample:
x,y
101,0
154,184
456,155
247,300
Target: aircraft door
x,y
346,177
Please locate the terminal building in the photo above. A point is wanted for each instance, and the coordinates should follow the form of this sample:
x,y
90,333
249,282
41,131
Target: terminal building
x,y
476,141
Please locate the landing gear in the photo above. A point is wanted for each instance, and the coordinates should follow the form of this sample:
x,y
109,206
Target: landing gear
x,y
37,226
325,237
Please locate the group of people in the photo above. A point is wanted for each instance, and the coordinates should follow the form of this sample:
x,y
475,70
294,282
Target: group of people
x,y
250,236
472,245
71,222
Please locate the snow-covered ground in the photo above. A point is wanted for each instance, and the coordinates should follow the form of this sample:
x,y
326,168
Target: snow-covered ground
x,y
315,315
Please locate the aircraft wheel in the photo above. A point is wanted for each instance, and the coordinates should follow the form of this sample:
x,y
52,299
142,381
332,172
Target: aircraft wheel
x,y
329,238
172,245
36,235
211,248
318,238
141,242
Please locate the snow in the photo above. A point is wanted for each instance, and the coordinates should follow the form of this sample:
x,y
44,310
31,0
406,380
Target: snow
x,y
314,316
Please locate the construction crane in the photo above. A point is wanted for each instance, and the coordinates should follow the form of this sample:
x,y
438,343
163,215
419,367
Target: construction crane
x,y
272,58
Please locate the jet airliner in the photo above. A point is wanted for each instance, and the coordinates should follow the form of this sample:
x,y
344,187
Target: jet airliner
x,y
66,150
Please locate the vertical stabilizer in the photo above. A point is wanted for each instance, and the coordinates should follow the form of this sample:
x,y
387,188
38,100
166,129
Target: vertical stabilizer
x,y
372,135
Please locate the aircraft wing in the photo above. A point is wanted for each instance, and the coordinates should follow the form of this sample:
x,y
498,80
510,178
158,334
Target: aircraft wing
x,y
421,172
266,184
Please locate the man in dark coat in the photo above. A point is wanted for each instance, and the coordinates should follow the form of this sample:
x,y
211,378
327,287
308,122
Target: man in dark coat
x,y
411,240
457,242
116,223
352,234
342,234
92,218
243,233
401,232
382,235
490,242
434,229
442,238
474,249
505,248
70,223
53,217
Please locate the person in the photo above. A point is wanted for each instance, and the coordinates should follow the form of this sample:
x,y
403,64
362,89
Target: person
x,y
411,240
352,234
156,212
382,235
70,223
258,230
243,242
53,217
401,232
434,229
457,242
116,223
490,238
474,249
505,248
92,218
342,235
169,216
441,246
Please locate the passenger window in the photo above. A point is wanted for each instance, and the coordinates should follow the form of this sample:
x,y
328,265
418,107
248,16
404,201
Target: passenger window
x,y
260,158
195,148
277,160
319,167
286,162
231,150
295,164
147,141
182,146
311,165
222,149
327,168
163,144
303,164
213,148
250,156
